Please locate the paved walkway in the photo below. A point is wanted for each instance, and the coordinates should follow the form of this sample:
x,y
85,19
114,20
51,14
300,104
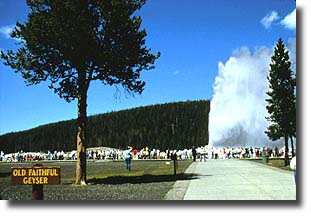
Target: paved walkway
x,y
234,180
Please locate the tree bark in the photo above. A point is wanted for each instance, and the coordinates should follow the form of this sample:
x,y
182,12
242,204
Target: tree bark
x,y
81,134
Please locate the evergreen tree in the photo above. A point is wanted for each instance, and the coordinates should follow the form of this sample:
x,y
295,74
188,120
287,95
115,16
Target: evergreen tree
x,y
137,127
73,42
281,101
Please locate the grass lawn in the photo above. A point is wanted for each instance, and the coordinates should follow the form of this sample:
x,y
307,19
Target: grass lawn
x,y
147,180
274,162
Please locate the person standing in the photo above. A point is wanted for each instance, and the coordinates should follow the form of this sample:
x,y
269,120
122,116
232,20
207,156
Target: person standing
x,y
128,158
194,153
174,158
293,167
2,156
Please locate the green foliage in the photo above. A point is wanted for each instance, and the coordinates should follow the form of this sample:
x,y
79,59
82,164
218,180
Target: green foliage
x,y
166,126
71,42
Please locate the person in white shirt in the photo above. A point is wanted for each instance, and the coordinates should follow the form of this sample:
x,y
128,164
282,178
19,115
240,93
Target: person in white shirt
x,y
293,167
128,157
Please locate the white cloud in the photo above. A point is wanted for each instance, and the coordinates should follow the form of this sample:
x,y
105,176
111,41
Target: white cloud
x,y
269,19
7,30
292,52
289,21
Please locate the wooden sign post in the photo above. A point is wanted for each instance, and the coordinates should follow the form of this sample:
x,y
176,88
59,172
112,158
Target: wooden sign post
x,y
37,176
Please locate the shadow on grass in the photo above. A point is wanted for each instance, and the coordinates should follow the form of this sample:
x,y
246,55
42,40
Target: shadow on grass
x,y
5,174
141,179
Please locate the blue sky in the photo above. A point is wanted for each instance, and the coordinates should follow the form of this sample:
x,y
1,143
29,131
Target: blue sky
x,y
193,36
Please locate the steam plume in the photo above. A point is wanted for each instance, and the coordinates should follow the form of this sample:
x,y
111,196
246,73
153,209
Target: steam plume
x,y
237,116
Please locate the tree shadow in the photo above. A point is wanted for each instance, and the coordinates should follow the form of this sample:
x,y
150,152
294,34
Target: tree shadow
x,y
5,174
141,179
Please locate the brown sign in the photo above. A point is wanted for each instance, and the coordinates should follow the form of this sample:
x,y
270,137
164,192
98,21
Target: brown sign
x,y
35,175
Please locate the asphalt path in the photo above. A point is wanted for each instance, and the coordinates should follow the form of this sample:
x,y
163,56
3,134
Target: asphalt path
x,y
234,180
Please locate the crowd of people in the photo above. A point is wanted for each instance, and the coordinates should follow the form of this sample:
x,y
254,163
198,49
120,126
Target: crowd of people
x,y
105,153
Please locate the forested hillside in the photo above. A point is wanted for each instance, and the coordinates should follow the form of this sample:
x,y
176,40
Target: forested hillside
x,y
172,125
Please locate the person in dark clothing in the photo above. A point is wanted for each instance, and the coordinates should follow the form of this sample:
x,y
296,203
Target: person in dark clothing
x,y
174,158
194,153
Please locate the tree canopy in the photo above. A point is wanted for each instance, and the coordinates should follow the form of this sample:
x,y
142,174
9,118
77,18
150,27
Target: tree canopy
x,y
61,38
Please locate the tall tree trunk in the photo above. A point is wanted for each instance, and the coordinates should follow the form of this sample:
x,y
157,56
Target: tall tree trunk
x,y
81,134
292,145
286,162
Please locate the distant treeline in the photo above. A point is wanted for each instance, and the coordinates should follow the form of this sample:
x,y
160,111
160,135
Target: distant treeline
x,y
166,126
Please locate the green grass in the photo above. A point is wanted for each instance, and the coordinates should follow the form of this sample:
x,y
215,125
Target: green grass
x,y
116,169
147,180
278,163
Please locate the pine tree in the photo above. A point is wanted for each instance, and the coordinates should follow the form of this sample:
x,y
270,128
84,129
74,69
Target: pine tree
x,y
281,101
71,43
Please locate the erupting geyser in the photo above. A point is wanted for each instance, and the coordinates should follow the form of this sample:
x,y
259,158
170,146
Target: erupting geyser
x,y
238,106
